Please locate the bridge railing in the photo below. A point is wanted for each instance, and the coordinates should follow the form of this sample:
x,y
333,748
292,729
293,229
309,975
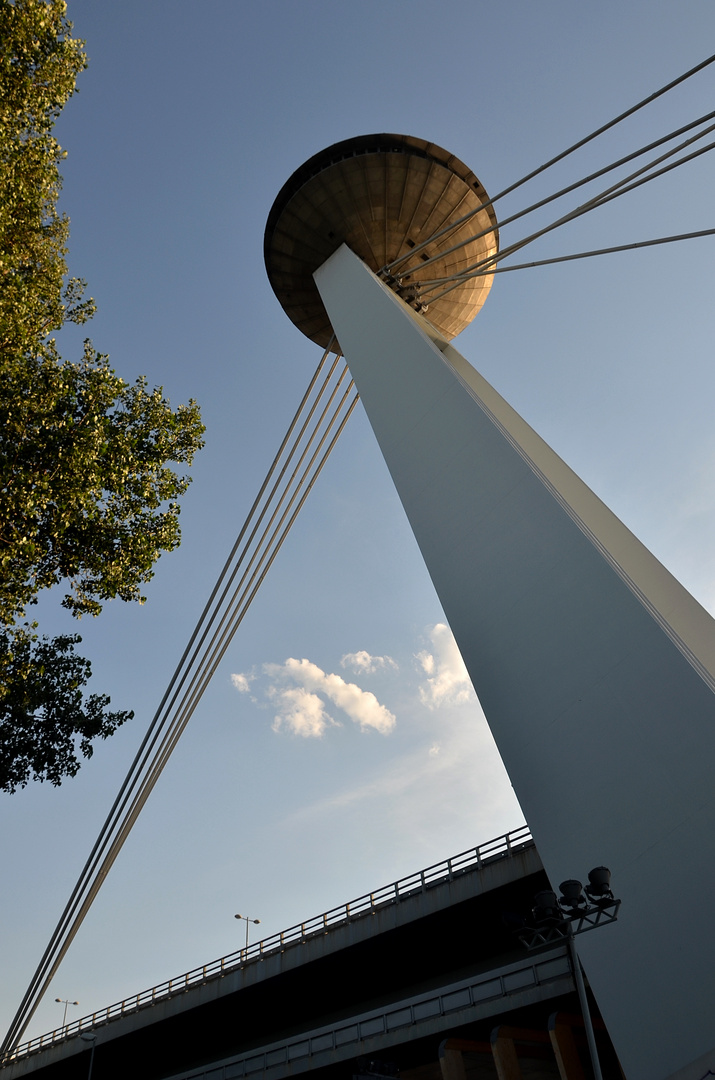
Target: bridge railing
x,y
467,861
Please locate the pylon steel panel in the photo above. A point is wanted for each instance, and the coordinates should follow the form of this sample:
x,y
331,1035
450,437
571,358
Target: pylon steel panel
x,y
592,663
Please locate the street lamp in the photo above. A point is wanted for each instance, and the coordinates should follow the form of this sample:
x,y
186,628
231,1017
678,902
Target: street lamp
x,y
87,1036
65,1002
247,920
559,918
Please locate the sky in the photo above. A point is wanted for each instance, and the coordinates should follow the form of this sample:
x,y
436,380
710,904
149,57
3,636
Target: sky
x,y
340,745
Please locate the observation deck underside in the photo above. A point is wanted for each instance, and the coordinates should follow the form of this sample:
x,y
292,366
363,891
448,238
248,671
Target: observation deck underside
x,y
382,195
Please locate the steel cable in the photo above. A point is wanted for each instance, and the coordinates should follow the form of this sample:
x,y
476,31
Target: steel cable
x,y
623,187
179,724
559,194
240,601
233,618
600,251
116,829
554,160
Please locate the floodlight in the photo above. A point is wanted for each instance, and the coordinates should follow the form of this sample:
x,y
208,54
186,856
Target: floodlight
x,y
599,887
546,906
572,894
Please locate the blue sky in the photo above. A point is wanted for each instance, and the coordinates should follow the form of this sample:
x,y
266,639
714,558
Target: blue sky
x,y
279,801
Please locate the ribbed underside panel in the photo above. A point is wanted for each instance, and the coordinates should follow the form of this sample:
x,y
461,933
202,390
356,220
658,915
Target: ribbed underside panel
x,y
380,204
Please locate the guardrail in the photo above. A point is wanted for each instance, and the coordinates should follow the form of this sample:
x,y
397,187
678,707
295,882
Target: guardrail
x,y
487,994
467,861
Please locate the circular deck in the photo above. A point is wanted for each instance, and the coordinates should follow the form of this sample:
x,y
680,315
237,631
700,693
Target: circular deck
x,y
382,195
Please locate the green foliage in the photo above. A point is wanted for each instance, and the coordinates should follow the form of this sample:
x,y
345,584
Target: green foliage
x,y
87,496
39,63
42,711
84,482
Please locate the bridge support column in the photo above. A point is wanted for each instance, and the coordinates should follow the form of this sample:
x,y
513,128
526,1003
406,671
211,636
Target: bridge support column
x,y
595,668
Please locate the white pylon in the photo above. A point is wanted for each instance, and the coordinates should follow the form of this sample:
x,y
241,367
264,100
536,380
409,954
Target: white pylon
x,y
594,666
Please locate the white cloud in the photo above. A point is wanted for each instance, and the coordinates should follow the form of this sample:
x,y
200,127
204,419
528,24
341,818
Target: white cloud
x,y
447,681
362,662
242,682
360,705
301,712
426,662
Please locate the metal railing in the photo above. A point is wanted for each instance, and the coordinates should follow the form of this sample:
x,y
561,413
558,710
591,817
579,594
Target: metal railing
x,y
489,993
467,861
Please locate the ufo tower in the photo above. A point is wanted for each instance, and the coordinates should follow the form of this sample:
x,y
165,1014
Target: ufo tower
x,y
594,666
382,196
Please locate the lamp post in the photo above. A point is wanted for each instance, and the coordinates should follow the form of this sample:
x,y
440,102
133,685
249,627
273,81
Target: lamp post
x,y
583,1002
65,1002
87,1036
247,920
559,918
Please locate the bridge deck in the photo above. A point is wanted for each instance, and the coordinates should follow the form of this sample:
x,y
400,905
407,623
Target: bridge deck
x,y
391,974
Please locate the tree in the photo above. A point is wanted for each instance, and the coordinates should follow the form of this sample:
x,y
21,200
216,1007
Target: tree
x,y
87,494
41,719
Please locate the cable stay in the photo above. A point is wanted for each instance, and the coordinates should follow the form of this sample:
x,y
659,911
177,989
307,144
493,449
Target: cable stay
x,y
552,198
623,187
600,251
554,160
325,409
